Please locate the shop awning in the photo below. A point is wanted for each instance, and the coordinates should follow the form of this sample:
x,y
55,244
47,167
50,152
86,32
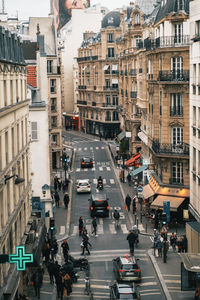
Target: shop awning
x,y
175,202
114,67
143,137
106,67
139,170
121,136
131,161
147,191
114,81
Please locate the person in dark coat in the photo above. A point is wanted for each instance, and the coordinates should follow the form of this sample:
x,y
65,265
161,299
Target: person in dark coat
x,y
129,179
37,279
55,183
128,201
59,285
80,225
65,248
50,269
54,249
47,253
59,184
66,199
67,283
94,224
184,242
134,204
57,198
131,237
85,242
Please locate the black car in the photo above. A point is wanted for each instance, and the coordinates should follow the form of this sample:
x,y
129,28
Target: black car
x,y
86,162
126,269
123,291
98,204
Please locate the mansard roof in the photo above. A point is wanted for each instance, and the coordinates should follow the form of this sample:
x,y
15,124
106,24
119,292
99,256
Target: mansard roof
x,y
111,19
169,7
10,47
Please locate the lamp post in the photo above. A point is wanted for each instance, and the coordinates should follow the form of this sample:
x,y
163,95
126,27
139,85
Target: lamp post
x,y
18,179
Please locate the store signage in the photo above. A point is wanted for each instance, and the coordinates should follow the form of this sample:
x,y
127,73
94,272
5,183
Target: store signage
x,y
20,258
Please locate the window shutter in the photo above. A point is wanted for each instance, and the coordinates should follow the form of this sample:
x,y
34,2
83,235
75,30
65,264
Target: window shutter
x,y
34,133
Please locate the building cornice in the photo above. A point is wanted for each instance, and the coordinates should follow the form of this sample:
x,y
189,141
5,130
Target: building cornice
x,y
14,107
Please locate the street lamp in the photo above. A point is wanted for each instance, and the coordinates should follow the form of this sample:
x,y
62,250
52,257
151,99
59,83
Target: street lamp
x,y
18,179
45,188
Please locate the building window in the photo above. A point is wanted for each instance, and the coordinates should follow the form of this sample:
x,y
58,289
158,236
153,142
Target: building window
x,y
137,19
92,115
53,86
177,135
177,173
34,131
194,160
107,83
137,40
53,104
115,100
107,100
97,116
110,38
115,116
176,107
177,64
108,118
197,28
194,121
54,139
88,97
53,122
49,66
178,32
111,52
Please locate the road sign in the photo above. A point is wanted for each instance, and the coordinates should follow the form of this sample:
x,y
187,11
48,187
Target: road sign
x,y
20,258
140,189
166,209
164,230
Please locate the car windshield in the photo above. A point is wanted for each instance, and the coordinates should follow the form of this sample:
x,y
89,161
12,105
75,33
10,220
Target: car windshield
x,y
83,183
86,159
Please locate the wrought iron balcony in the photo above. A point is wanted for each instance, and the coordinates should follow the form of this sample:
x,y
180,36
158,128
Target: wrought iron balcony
x,y
94,103
82,87
107,72
174,75
133,95
173,149
110,88
176,111
87,58
133,72
176,181
81,102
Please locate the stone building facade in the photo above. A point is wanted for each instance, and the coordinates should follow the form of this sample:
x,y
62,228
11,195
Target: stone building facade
x,y
14,154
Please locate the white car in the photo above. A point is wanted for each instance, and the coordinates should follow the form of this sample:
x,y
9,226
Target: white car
x,y
83,186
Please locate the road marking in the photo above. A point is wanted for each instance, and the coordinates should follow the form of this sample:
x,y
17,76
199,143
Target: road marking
x,y
112,229
62,230
100,169
93,169
89,228
124,228
78,170
173,281
85,170
104,181
85,149
140,227
79,149
75,230
112,181
95,181
148,294
100,221
149,283
115,251
97,148
100,229
75,149
108,168
102,147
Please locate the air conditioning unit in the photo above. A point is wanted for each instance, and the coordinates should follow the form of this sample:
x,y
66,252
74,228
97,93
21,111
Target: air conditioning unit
x,y
31,237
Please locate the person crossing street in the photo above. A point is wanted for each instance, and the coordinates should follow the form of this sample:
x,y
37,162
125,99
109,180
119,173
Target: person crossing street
x,y
131,237
94,224
128,202
116,217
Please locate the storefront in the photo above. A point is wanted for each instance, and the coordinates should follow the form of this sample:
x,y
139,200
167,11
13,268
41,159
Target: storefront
x,y
71,122
104,129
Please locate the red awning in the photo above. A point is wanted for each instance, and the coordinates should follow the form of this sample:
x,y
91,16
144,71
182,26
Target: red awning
x,y
131,161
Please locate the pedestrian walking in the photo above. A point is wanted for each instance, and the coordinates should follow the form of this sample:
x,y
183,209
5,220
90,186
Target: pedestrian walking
x,y
81,224
37,279
134,204
94,224
128,201
50,269
57,198
65,248
66,199
121,175
47,251
54,249
185,246
116,216
159,247
180,243
129,179
85,244
131,237
59,285
59,184
55,183
173,241
67,284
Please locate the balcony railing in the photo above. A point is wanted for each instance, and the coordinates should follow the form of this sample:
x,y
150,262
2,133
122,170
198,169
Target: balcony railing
x,y
133,95
174,75
94,104
87,58
172,41
176,181
180,149
133,72
81,102
82,87
108,119
110,88
176,111
107,72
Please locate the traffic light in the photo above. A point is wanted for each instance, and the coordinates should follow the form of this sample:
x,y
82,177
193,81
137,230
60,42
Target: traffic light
x,y
52,224
164,218
64,157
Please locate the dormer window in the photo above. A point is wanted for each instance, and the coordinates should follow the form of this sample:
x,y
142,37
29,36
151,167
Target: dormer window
x,y
137,18
179,5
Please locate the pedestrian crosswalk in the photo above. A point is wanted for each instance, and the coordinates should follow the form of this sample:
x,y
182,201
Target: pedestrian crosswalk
x,y
88,148
105,181
99,168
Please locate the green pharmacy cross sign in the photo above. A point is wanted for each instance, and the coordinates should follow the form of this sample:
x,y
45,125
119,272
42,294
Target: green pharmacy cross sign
x,y
20,258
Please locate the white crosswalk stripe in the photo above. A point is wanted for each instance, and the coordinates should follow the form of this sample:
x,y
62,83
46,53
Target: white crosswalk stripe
x,y
100,229
124,228
85,170
94,180
112,229
93,169
104,181
75,231
91,148
102,148
112,181
108,168
89,228
78,170
100,169
85,149
79,149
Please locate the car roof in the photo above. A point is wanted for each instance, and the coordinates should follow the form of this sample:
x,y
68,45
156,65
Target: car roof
x,y
125,260
126,288
99,196
82,180
87,157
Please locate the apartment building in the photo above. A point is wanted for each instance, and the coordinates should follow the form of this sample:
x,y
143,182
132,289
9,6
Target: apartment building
x,y
98,88
193,228
15,184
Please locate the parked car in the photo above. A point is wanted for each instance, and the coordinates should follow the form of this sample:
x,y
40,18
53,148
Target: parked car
x,y
98,205
87,162
126,269
83,186
124,291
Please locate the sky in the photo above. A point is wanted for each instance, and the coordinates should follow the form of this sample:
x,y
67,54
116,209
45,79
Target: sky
x,y
41,8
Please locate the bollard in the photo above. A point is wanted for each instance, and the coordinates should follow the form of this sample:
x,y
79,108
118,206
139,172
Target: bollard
x,y
140,217
135,218
146,227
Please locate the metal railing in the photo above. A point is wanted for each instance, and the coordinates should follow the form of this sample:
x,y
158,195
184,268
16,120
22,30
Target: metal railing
x,y
133,72
174,75
175,180
172,41
81,102
87,58
173,149
176,111
82,87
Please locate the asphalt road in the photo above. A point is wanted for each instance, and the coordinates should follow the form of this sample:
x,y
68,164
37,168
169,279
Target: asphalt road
x,y
110,242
